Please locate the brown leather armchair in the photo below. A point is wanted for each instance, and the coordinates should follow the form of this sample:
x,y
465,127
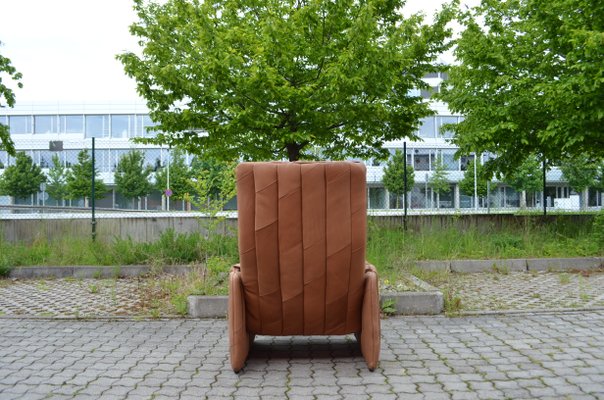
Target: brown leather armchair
x,y
302,271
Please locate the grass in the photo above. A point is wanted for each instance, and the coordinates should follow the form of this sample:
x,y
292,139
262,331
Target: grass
x,y
391,249
564,279
168,293
388,307
453,305
171,248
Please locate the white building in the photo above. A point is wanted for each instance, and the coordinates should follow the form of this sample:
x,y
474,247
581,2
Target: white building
x,y
42,130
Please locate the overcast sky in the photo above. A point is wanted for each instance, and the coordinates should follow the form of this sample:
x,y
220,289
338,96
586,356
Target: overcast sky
x,y
66,49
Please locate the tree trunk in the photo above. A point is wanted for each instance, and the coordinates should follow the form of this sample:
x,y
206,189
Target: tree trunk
x,y
584,198
523,199
293,151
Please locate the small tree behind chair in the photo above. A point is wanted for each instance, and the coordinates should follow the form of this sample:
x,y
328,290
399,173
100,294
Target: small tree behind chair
x,y
22,179
79,180
131,177
394,177
439,182
57,181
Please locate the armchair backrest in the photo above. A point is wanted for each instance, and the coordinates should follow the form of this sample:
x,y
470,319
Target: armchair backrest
x,y
302,234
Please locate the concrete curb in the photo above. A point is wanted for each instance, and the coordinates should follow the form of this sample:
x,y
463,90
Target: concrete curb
x,y
469,266
207,306
434,265
428,302
524,312
87,271
509,265
464,266
581,264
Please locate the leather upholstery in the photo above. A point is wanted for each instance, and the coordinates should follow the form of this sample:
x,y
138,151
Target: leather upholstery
x,y
302,234
238,337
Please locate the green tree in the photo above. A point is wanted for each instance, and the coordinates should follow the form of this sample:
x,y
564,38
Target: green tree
x,y
529,80
439,182
466,185
213,186
131,177
581,172
211,174
57,180
394,176
527,178
7,98
180,177
21,179
79,180
271,79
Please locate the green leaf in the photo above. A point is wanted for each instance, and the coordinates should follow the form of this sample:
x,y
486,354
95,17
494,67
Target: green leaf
x,y
273,80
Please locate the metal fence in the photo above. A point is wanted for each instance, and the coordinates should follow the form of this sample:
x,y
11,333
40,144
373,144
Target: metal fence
x,y
66,190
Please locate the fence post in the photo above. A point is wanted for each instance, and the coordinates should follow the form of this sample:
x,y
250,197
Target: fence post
x,y
92,194
544,182
488,197
406,197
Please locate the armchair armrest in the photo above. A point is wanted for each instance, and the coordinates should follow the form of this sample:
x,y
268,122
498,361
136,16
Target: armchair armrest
x,y
370,337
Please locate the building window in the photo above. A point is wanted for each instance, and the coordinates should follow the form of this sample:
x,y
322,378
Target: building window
x,y
142,123
443,121
70,157
45,160
20,124
427,129
449,161
446,200
46,124
103,160
72,124
121,125
421,159
116,156
465,160
97,126
153,159
377,198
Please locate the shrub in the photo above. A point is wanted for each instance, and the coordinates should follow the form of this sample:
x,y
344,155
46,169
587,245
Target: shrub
x,y
598,228
4,266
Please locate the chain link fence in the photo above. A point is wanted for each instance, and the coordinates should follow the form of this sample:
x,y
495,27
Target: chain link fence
x,y
422,198
127,181
54,180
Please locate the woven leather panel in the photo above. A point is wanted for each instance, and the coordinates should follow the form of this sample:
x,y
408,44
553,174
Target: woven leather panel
x,y
302,246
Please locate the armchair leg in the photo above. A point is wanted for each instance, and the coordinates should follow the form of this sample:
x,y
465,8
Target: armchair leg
x,y
370,336
239,339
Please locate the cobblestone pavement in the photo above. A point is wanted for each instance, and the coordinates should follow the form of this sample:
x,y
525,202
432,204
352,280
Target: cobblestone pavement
x,y
135,296
526,291
545,356
73,297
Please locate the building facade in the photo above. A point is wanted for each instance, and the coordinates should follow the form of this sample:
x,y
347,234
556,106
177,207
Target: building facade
x,y
45,130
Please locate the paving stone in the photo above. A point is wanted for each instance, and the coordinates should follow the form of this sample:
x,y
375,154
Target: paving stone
x,y
73,297
527,290
479,357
